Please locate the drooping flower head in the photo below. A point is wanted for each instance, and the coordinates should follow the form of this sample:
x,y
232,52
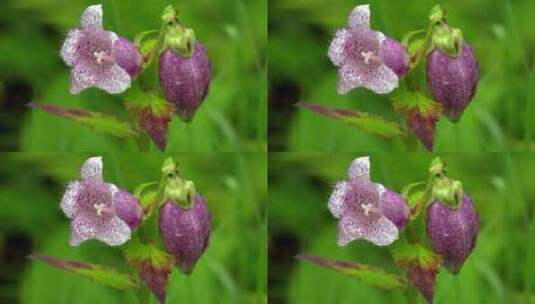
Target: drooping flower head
x,y
366,210
367,58
99,210
99,58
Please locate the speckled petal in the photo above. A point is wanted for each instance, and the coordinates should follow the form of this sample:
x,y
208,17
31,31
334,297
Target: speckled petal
x,y
337,52
349,229
381,232
336,201
68,202
360,167
114,80
92,169
348,78
381,81
92,17
114,233
82,229
68,50
360,16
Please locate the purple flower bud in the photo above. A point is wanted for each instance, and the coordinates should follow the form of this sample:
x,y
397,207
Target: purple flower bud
x,y
453,81
423,125
185,232
127,208
424,280
185,81
395,56
156,126
453,233
127,56
394,207
156,279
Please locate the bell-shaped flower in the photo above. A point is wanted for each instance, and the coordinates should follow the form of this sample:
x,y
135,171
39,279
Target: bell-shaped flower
x,y
99,58
367,58
99,210
366,210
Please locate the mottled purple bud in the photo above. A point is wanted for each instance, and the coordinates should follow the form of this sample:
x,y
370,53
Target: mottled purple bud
x,y
156,279
185,232
185,80
395,56
424,280
453,233
453,81
423,125
395,208
127,208
127,56
156,126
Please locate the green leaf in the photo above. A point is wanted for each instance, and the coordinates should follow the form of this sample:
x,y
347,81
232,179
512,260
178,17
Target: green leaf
x,y
420,263
367,274
95,120
365,121
100,274
138,253
405,100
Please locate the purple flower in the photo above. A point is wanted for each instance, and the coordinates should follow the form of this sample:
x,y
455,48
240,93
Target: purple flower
x,y
366,58
99,210
453,81
366,210
453,232
185,231
98,58
185,80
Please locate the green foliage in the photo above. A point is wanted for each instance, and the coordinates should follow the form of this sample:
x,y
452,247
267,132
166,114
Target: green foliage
x,y
499,270
370,275
497,119
229,272
97,121
98,273
232,118
365,121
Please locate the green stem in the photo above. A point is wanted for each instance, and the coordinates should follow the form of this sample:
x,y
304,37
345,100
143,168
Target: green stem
x,y
144,294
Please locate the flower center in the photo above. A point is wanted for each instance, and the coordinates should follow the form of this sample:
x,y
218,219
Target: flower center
x,y
370,57
368,208
102,57
102,208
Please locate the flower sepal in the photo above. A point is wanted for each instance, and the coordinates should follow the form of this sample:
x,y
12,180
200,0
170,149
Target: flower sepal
x,y
153,113
441,188
153,263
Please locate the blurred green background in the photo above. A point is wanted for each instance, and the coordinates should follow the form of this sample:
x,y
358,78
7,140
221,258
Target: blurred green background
x,y
501,269
232,270
233,117
500,117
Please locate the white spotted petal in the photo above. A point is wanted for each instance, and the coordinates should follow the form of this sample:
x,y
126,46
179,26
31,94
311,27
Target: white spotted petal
x,y
92,17
92,169
68,201
336,201
68,50
115,233
360,16
336,51
360,167
381,81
